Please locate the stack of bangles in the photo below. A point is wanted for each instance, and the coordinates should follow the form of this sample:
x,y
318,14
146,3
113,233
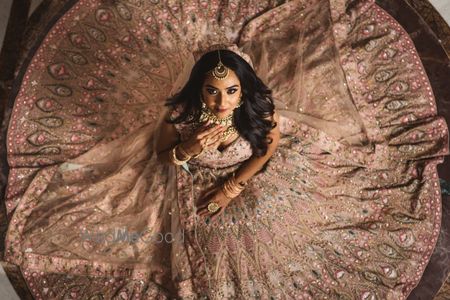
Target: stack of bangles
x,y
231,188
183,152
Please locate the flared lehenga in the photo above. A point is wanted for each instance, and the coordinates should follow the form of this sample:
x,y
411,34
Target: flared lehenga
x,y
349,205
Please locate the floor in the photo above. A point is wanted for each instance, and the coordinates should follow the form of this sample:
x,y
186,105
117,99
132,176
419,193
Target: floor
x,y
6,290
443,7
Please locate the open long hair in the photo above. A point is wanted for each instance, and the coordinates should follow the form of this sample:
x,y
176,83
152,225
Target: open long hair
x,y
257,99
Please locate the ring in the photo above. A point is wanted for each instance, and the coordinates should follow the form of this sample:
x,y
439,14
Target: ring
x,y
213,207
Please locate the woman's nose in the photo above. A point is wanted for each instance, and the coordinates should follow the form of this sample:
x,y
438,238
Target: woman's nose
x,y
221,99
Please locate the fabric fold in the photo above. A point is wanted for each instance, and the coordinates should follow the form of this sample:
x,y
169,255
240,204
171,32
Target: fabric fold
x,y
348,207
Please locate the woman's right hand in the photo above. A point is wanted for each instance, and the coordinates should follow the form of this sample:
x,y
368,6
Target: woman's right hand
x,y
205,137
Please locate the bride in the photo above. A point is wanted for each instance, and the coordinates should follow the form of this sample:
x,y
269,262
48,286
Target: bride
x,y
314,179
221,104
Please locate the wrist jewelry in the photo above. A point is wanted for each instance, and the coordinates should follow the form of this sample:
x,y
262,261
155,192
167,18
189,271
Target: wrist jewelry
x,y
183,152
174,159
197,155
231,188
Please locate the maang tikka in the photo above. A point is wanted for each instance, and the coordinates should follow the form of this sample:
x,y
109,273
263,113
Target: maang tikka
x,y
220,72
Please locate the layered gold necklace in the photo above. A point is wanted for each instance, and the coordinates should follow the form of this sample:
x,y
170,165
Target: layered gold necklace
x,y
227,122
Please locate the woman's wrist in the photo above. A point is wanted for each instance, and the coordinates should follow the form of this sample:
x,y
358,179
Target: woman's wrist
x,y
231,188
175,156
240,182
189,152
182,153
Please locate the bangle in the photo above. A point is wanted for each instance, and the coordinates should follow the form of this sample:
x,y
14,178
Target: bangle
x,y
197,155
174,158
231,188
183,152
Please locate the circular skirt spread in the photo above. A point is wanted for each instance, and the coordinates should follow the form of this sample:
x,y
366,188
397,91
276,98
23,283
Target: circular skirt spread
x,y
349,206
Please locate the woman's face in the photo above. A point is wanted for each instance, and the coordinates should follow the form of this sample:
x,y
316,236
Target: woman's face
x,y
221,96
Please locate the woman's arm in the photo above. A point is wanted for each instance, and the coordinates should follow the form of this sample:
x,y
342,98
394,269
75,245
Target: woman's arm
x,y
254,164
169,138
247,170
222,195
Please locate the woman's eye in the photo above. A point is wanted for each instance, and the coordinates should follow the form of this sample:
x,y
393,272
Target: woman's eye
x,y
232,91
212,92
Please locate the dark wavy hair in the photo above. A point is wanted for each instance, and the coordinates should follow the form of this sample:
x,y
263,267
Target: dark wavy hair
x,y
249,117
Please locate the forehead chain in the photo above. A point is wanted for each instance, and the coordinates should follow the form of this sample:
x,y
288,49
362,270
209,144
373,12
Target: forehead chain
x,y
220,72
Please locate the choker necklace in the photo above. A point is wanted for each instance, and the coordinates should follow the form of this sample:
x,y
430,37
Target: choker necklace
x,y
227,122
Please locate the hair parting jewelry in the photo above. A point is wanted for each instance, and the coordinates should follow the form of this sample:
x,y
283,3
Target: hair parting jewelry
x,y
220,71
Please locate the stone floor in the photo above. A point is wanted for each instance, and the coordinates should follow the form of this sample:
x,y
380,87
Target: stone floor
x,y
6,290
443,7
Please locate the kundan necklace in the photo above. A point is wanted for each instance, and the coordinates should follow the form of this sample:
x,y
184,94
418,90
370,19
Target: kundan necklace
x,y
227,122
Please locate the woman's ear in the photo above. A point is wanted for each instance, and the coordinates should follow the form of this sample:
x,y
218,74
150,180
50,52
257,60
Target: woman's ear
x,y
202,101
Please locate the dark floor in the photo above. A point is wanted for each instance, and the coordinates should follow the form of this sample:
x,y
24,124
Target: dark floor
x,y
426,30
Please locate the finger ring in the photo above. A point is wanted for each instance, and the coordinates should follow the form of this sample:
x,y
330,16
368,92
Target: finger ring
x,y
213,207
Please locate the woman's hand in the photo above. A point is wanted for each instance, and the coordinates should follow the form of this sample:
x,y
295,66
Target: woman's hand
x,y
215,195
205,137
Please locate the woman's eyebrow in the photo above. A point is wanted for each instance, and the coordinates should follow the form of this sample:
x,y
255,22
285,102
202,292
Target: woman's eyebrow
x,y
236,85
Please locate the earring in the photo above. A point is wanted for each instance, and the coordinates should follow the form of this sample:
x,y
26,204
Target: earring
x,y
202,101
240,101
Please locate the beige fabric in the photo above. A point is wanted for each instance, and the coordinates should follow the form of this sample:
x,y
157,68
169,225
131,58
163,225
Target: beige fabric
x,y
349,206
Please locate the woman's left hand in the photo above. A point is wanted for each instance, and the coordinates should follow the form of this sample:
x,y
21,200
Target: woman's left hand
x,y
215,195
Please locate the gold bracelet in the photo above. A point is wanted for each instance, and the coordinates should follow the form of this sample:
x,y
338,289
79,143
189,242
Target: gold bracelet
x,y
197,155
231,188
229,192
174,159
183,152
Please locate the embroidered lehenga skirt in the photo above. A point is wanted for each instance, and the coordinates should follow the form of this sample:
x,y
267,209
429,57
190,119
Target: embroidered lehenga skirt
x,y
348,207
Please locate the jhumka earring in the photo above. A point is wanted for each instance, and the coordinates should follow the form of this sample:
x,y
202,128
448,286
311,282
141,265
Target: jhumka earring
x,y
240,102
220,72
